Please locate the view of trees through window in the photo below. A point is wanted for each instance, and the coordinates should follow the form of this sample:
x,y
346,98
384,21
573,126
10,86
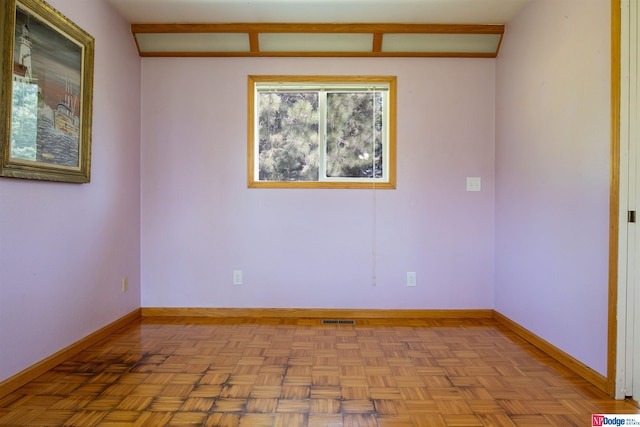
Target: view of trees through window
x,y
288,126
313,135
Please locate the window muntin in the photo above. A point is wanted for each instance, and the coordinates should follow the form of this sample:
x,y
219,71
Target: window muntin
x,y
321,131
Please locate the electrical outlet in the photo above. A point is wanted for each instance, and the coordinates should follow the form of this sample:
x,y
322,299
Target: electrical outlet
x,y
237,277
125,284
411,278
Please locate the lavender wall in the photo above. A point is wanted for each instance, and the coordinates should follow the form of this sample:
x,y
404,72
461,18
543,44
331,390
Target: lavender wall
x,y
64,248
552,174
313,248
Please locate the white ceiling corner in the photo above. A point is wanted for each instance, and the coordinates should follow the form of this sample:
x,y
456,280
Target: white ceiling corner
x,y
319,11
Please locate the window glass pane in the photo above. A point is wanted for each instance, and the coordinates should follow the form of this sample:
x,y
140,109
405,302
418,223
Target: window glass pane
x,y
354,135
288,140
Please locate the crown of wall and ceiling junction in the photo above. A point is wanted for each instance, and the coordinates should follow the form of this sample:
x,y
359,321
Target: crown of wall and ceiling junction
x,y
360,28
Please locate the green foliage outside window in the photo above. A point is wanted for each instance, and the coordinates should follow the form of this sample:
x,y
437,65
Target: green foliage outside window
x,y
288,136
354,135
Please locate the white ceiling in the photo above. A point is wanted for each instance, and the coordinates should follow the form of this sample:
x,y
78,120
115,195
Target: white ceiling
x,y
320,11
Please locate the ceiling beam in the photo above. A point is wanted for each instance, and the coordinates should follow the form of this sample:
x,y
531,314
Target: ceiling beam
x,y
279,39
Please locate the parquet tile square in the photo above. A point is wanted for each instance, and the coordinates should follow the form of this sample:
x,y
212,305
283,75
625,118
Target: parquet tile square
x,y
445,393
201,404
48,418
214,378
184,379
242,379
333,420
437,381
222,420
385,393
296,372
517,407
206,391
354,382
463,420
394,407
295,392
298,406
394,421
147,390
166,404
454,407
235,391
325,406
360,420
325,392
414,393
291,420
273,368
487,406
257,420
530,420
128,417
355,392
133,377
409,382
422,406
182,419
430,420
266,392
23,416
85,418
465,381
129,403
357,407
496,420
268,379
148,419
229,405
262,405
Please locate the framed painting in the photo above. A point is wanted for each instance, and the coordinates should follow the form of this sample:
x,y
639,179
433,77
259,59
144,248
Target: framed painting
x,y
47,85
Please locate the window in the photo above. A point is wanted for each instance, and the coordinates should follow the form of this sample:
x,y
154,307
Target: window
x,y
321,132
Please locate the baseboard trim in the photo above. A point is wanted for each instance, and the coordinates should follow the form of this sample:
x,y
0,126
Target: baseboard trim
x,y
23,377
568,361
316,313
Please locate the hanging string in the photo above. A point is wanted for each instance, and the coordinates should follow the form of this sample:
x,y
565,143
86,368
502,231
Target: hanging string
x,y
374,237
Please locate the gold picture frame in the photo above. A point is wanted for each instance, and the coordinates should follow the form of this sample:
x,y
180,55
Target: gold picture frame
x,y
46,94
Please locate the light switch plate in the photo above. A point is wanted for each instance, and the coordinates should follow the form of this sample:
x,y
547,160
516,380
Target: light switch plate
x,y
474,183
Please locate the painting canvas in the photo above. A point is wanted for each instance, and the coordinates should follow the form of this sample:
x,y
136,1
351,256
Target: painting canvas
x,y
47,94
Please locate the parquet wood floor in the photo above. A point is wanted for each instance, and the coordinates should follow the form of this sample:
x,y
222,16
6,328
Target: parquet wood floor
x,y
290,372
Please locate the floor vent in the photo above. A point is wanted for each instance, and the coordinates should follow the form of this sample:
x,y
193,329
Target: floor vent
x,y
338,322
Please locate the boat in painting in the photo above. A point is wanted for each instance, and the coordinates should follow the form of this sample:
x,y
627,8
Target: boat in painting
x,y
66,119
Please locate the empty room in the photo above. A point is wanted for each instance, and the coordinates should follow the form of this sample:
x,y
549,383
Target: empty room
x,y
319,213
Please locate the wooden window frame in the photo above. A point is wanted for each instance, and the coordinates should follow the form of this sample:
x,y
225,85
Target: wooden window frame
x,y
254,182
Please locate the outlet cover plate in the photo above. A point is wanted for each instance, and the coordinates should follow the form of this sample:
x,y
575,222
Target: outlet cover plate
x,y
411,278
237,277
